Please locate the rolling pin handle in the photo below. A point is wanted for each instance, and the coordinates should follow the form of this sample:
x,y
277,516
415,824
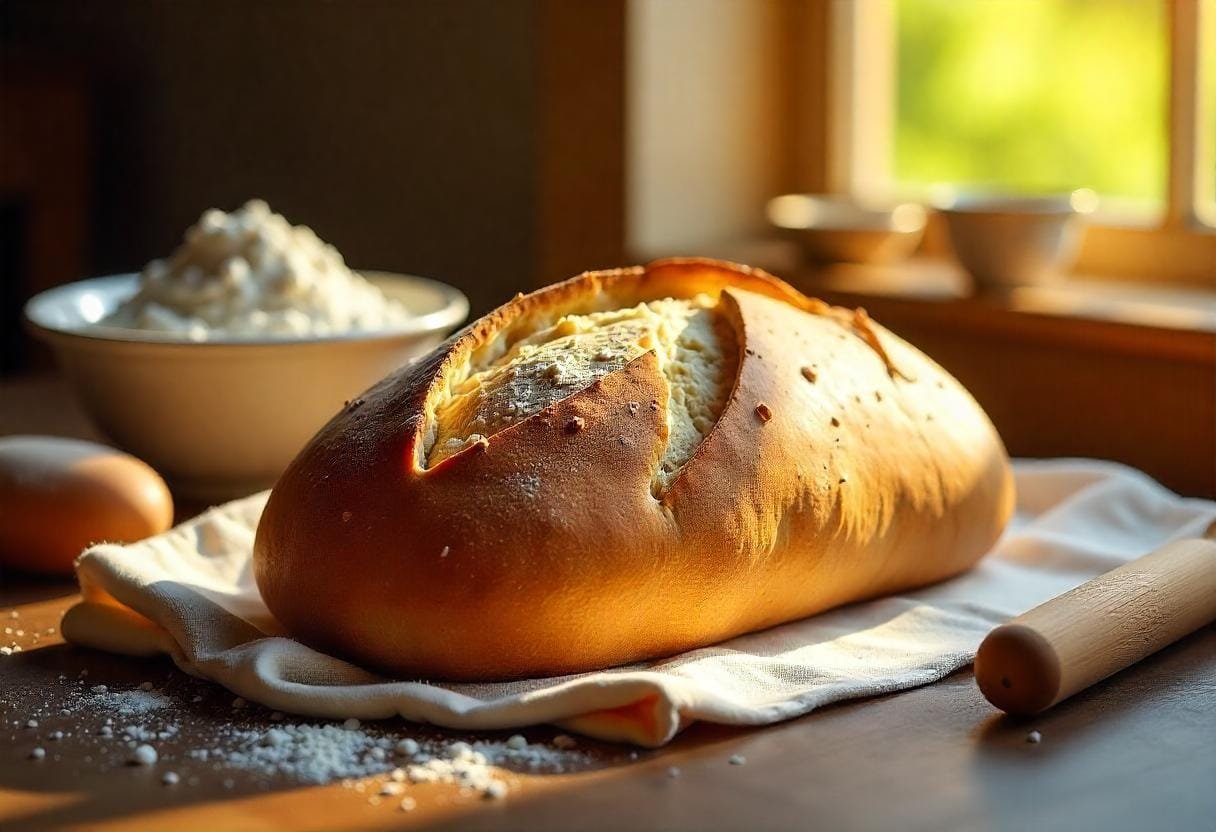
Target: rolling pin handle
x,y
1088,633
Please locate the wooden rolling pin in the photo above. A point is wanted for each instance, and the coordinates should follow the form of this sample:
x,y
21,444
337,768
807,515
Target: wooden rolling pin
x,y
1099,628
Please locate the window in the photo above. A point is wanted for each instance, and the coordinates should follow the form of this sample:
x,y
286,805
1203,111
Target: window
x,y
1033,96
1039,96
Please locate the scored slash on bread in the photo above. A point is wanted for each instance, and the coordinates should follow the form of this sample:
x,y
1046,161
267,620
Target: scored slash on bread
x,y
840,464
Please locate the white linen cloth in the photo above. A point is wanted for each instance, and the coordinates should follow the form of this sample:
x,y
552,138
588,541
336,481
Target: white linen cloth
x,y
190,593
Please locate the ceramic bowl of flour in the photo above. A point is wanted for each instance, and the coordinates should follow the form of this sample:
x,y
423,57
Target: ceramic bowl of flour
x,y
224,416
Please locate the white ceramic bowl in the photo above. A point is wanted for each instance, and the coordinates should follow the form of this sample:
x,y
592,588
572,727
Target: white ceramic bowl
x,y
840,229
223,418
1006,241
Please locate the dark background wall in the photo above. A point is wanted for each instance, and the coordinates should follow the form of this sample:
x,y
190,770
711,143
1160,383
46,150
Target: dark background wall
x,y
408,134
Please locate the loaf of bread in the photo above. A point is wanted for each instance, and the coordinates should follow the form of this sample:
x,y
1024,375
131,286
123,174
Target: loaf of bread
x,y
624,466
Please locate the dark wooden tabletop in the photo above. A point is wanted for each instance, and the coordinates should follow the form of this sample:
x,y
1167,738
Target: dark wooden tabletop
x,y
1134,753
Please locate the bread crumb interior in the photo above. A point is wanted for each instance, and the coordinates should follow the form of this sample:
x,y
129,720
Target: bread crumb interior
x,y
696,353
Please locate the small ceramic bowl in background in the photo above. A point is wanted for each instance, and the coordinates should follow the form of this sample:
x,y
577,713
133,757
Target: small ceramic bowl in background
x,y
839,229
222,418
1005,241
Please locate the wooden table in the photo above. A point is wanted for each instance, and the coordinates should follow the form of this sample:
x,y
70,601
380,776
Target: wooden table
x,y
1137,752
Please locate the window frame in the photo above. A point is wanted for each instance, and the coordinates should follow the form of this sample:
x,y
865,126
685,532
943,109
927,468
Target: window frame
x,y
857,106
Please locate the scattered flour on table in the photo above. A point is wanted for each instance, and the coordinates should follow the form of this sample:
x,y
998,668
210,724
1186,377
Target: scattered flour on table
x,y
327,752
141,727
127,702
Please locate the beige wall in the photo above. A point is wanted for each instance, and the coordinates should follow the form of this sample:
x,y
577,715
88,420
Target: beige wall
x,y
706,141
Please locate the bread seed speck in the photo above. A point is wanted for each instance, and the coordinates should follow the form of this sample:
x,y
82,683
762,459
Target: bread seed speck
x,y
763,412
835,422
38,753
1034,737
408,804
447,550
737,760
170,778
634,407
575,424
673,772
346,515
810,375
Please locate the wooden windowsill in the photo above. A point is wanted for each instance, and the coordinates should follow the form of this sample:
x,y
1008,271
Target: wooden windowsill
x,y
1080,312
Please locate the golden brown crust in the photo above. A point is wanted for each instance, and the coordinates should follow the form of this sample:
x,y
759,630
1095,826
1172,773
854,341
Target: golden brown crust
x,y
846,465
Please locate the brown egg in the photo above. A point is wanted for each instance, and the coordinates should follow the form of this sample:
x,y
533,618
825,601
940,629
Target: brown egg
x,y
58,496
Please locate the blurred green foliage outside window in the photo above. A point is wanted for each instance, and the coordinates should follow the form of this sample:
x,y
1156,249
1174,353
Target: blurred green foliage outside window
x,y
1034,96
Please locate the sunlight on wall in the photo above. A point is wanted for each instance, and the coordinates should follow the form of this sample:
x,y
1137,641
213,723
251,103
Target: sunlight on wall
x,y
704,121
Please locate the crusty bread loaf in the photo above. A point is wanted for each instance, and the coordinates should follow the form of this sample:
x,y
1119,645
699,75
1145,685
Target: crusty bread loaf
x,y
627,465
